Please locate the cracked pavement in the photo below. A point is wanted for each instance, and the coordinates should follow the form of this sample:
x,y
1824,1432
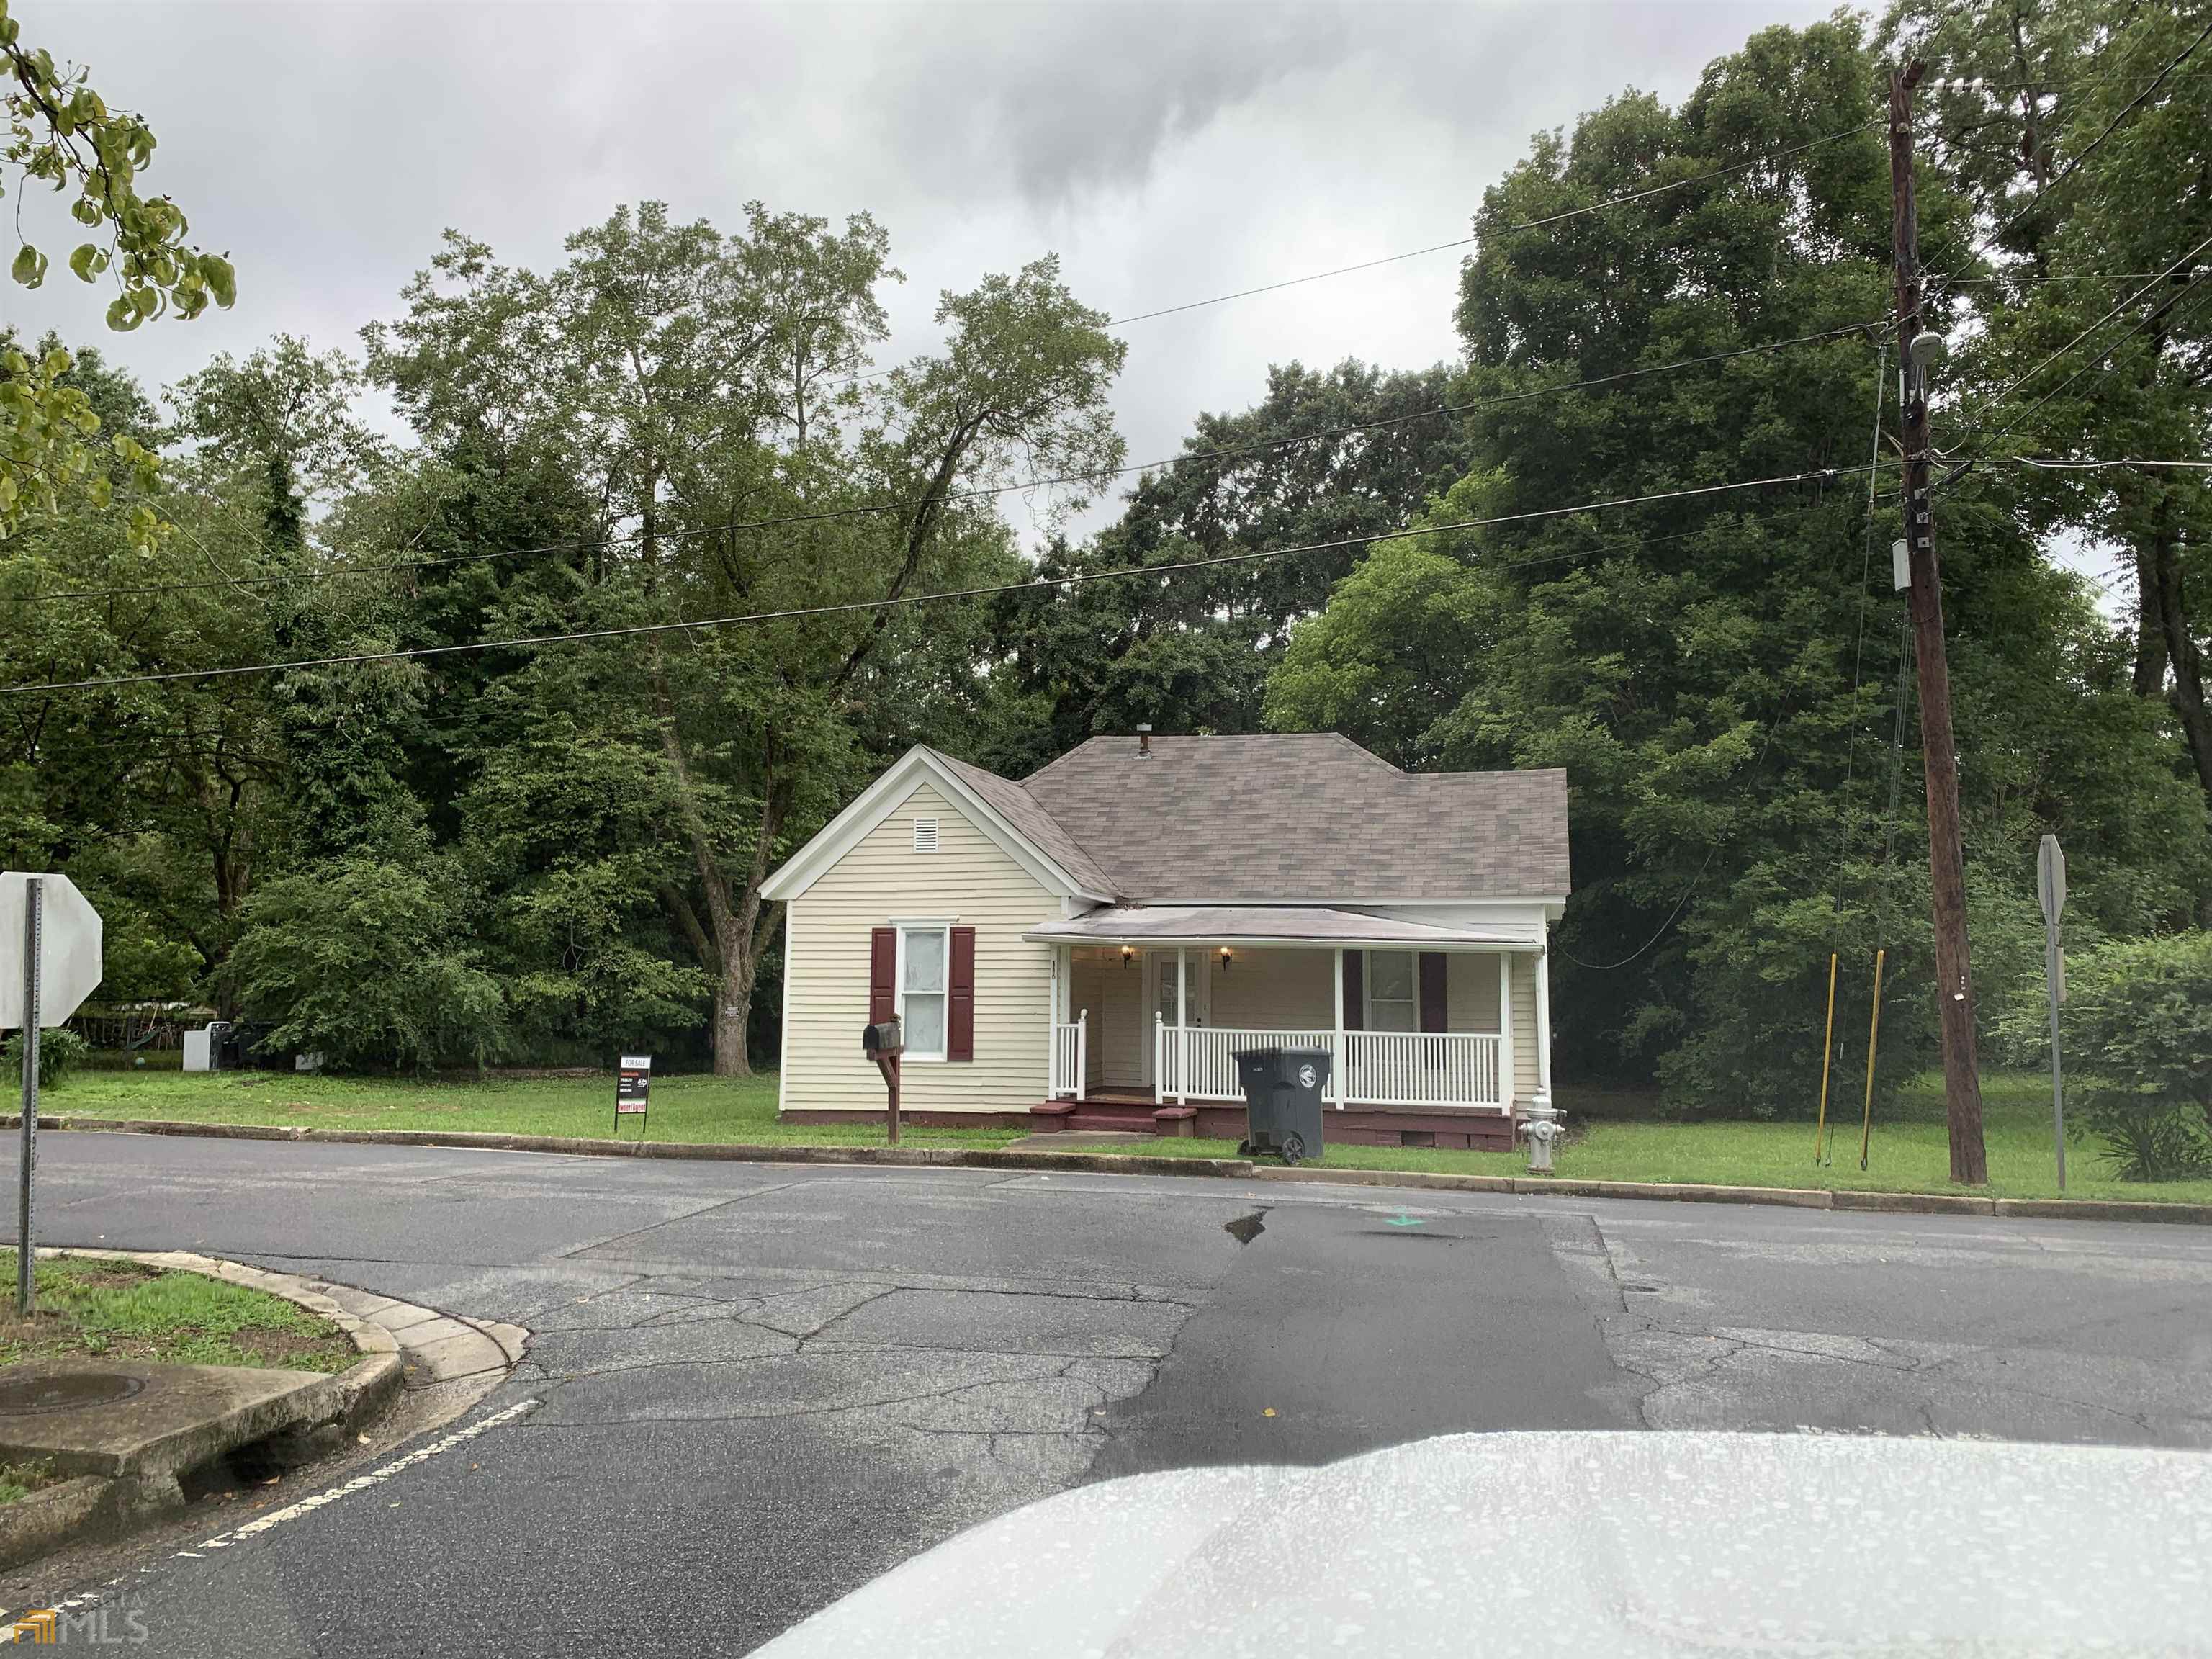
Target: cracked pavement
x,y
758,1386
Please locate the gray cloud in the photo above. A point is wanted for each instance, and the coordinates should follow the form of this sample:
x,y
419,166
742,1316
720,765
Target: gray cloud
x,y
1167,152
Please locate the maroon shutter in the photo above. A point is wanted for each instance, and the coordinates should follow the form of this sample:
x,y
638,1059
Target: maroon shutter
x,y
1355,990
883,969
960,998
1432,990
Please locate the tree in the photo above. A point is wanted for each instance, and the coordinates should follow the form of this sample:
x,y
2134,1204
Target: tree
x,y
1326,457
705,404
2078,131
1718,673
61,133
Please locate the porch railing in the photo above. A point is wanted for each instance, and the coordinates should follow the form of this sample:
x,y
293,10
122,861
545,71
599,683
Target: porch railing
x,y
1375,1068
1071,1054
1198,1063
1421,1068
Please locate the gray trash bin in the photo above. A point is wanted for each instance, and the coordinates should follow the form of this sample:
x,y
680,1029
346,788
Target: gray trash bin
x,y
1283,1090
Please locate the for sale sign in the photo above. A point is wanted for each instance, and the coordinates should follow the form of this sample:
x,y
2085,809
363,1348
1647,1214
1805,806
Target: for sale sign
x,y
632,1080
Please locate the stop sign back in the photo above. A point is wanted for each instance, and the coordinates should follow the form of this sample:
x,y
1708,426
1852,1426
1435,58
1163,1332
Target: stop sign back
x,y
68,957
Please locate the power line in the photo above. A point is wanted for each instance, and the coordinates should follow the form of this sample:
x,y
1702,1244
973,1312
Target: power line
x,y
1988,443
902,601
2071,167
992,492
2046,465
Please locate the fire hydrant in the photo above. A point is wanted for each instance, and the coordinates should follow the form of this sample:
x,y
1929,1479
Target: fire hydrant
x,y
1540,1124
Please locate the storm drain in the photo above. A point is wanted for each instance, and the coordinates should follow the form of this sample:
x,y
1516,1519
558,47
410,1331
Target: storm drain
x,y
77,1391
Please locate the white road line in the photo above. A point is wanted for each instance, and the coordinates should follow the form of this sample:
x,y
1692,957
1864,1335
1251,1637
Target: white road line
x,y
375,1477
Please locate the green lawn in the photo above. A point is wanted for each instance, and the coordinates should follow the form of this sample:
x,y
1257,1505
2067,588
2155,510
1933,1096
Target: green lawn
x,y
88,1307
685,1108
1909,1153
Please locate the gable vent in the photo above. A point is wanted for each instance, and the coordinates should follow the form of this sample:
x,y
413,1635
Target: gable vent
x,y
925,835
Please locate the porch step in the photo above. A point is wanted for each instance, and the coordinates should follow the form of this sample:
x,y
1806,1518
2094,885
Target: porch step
x,y
1132,1120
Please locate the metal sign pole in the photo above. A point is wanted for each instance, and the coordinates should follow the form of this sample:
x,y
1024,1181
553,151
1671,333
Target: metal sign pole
x,y
2050,893
34,905
2057,1089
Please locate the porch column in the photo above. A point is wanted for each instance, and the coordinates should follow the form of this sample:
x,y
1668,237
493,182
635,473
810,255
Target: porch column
x,y
1337,1080
1182,1024
1505,1030
1052,1021
1543,1024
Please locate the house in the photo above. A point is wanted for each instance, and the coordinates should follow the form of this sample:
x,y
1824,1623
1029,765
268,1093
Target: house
x,y
1090,946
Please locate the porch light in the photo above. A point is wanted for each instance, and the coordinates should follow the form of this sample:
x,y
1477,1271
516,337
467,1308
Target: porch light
x,y
1126,954
1224,958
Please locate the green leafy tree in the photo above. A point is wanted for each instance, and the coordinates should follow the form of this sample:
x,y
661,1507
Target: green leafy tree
x,y
1719,674
61,133
1325,457
368,963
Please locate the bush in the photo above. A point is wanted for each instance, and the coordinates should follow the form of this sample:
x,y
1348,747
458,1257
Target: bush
x,y
60,1052
2137,1027
367,962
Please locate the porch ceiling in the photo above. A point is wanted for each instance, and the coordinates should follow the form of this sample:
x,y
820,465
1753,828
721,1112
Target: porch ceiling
x,y
1163,924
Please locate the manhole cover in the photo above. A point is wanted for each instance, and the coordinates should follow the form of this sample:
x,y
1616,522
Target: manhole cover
x,y
76,1391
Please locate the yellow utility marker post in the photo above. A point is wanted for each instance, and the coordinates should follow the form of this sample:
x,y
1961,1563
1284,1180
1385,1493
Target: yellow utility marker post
x,y
1827,1052
1873,1030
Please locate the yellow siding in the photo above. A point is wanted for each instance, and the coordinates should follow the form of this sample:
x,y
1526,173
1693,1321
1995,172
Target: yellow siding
x,y
968,879
1524,1026
1470,992
1272,990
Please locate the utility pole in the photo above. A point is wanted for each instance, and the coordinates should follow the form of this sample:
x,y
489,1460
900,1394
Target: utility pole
x,y
1947,863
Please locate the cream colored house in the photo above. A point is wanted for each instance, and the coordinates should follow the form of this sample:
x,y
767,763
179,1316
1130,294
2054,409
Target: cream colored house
x,y
1090,946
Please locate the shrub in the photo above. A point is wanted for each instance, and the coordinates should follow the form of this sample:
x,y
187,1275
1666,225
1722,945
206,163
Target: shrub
x,y
2137,1027
60,1052
369,962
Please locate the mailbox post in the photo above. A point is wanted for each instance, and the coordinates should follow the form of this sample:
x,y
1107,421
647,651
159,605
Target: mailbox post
x,y
884,1043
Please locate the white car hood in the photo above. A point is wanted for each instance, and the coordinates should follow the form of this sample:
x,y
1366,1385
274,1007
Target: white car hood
x,y
1583,1544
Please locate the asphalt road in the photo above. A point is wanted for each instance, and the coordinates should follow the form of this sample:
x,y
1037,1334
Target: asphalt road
x,y
756,1387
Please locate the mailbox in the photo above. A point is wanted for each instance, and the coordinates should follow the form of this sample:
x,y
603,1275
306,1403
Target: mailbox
x,y
885,1039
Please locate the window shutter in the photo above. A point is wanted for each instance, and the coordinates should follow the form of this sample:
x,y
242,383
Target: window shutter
x,y
960,997
1355,990
1432,990
883,967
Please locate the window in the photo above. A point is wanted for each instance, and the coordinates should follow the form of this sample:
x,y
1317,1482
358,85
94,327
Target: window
x,y
1391,1004
925,835
922,985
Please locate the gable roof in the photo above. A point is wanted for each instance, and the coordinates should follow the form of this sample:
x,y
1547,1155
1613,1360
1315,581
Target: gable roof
x,y
1272,819
1309,817
1022,810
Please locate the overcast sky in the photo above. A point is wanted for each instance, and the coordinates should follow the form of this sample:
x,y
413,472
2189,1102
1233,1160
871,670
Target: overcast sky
x,y
1167,152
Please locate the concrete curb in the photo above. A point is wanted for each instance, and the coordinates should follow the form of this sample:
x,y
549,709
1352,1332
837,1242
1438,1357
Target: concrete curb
x,y
403,1347
1808,1198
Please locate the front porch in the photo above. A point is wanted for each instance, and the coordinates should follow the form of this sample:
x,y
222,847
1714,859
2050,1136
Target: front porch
x,y
1433,1040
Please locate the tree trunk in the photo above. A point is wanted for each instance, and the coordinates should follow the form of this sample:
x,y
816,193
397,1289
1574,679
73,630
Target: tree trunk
x,y
2187,695
2150,624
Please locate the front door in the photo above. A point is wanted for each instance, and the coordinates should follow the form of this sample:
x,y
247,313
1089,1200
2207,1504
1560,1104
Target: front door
x,y
1160,999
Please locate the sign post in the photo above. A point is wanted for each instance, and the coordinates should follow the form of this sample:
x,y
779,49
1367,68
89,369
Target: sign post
x,y
2050,892
633,1090
57,968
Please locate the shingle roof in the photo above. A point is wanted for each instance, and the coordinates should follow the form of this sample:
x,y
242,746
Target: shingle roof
x,y
1223,922
1289,818
1037,826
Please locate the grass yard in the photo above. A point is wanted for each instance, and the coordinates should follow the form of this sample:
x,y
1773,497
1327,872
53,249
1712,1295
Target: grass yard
x,y
685,1108
1910,1151
88,1308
